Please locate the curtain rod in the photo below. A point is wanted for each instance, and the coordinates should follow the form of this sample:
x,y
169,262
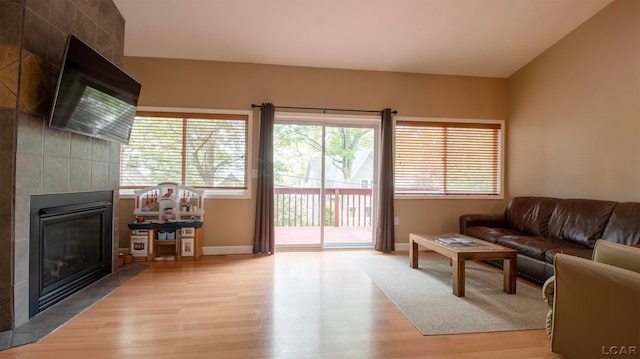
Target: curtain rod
x,y
323,109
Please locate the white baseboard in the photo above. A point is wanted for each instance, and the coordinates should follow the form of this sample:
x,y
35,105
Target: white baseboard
x,y
222,250
402,246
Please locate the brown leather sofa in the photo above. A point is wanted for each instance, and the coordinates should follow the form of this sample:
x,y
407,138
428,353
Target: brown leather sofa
x,y
541,227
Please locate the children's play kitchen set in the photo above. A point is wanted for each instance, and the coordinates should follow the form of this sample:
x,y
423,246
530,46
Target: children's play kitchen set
x,y
169,218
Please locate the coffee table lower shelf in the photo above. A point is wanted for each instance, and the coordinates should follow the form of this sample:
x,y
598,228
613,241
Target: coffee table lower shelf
x,y
458,254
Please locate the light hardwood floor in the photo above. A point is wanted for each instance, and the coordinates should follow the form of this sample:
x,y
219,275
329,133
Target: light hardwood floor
x,y
290,305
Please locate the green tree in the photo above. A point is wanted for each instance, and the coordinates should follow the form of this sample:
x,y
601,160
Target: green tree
x,y
211,152
215,153
341,146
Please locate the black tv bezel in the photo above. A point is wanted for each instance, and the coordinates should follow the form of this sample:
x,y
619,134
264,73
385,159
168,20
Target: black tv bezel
x,y
81,63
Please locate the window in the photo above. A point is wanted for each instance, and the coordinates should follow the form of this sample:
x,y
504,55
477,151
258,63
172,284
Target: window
x,y
448,158
204,150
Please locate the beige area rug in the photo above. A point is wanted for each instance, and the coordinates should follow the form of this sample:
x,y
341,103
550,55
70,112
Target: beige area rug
x,y
425,295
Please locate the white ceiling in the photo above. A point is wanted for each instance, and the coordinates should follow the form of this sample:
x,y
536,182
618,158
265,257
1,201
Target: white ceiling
x,y
457,37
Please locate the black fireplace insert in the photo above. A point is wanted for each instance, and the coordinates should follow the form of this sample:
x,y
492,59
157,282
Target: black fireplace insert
x,y
70,245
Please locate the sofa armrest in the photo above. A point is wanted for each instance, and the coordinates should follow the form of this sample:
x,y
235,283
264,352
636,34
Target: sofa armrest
x,y
486,220
619,255
595,307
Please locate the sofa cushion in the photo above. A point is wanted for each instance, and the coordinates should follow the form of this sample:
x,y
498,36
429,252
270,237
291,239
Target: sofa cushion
x,y
530,215
624,224
570,248
489,234
580,221
530,246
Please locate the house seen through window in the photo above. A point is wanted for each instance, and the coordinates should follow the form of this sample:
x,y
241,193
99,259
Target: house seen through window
x,y
195,149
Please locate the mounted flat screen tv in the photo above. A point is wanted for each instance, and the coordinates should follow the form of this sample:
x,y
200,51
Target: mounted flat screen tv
x,y
93,96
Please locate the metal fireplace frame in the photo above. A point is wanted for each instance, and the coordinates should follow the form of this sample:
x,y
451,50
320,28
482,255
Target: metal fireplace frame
x,y
51,208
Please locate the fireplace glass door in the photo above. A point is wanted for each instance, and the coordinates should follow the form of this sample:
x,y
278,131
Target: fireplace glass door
x,y
71,246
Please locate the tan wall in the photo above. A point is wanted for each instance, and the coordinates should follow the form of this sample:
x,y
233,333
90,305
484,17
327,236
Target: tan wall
x,y
574,126
222,85
572,130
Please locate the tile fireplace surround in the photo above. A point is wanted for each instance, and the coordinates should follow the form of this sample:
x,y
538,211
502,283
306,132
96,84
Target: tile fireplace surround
x,y
40,159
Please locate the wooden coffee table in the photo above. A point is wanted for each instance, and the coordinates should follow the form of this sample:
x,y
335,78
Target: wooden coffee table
x,y
477,249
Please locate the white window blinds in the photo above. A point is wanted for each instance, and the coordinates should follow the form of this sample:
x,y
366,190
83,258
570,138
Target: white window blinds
x,y
198,150
448,158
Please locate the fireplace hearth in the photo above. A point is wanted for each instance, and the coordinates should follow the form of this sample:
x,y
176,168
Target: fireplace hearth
x,y
70,245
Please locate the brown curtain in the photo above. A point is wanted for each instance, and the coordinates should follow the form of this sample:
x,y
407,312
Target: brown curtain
x,y
385,235
264,237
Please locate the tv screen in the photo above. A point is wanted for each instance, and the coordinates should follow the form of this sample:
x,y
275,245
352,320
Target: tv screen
x,y
94,97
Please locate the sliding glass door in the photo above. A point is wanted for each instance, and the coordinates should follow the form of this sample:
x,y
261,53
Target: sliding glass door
x,y
298,204
348,185
324,171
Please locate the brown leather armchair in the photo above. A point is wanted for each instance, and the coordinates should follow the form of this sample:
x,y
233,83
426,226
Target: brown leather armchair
x,y
595,304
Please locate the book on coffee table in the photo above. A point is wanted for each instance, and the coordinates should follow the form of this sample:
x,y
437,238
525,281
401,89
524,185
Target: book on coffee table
x,y
458,240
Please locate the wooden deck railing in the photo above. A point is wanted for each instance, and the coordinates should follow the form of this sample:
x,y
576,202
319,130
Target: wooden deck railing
x,y
344,207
